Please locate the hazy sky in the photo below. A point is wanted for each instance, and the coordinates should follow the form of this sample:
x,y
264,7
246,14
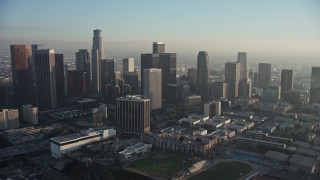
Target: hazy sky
x,y
266,29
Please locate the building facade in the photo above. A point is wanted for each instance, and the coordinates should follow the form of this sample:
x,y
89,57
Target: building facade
x,y
315,85
168,65
107,73
64,144
286,81
96,54
45,71
59,66
219,89
264,75
30,114
148,61
77,83
242,59
22,74
83,64
132,79
203,75
232,77
133,114
245,88
127,66
192,77
9,119
152,80
212,109
158,47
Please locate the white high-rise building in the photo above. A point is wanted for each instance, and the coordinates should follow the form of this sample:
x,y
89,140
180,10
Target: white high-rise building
x,y
242,59
96,55
30,114
128,66
152,88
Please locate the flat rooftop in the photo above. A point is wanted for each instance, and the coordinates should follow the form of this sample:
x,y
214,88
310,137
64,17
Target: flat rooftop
x,y
134,98
84,133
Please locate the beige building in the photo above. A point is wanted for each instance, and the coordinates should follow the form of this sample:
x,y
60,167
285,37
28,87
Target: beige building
x,y
152,87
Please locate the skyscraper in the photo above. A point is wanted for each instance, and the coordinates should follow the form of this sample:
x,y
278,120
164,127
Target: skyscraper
x,y
77,86
116,89
107,72
152,80
83,64
158,47
46,94
148,61
192,76
245,88
242,59
128,66
22,75
219,89
286,81
59,67
168,65
232,76
203,75
97,54
315,85
264,75
212,109
133,114
132,79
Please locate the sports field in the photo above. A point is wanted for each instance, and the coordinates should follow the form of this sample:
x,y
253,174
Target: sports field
x,y
162,164
231,170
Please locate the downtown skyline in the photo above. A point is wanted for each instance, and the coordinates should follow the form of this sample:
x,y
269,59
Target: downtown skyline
x,y
268,30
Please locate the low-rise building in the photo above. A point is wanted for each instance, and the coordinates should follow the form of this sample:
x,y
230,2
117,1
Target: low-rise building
x,y
139,148
280,107
68,143
87,103
237,128
246,124
276,156
267,128
189,121
193,100
222,119
256,142
181,140
302,163
223,134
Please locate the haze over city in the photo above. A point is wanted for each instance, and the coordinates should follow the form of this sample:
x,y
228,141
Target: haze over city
x,y
287,30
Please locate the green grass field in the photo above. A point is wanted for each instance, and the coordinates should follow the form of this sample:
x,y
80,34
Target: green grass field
x,y
225,171
164,164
